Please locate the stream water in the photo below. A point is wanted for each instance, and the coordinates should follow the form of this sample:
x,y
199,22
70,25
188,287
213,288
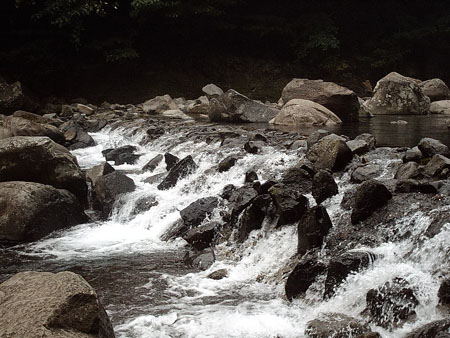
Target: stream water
x,y
148,290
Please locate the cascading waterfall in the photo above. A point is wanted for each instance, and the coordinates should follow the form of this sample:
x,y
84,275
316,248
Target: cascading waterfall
x,y
250,301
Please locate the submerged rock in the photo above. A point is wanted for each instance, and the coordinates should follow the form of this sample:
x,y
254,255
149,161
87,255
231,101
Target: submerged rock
x,y
391,303
45,304
30,211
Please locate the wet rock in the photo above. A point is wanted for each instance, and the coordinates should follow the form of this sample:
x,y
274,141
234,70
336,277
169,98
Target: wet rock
x,y
436,329
227,163
143,204
365,173
398,95
170,160
157,178
154,133
218,274
437,166
340,267
251,177
323,186
407,171
430,147
107,190
153,163
253,216
211,90
159,104
176,114
368,138
257,137
44,304
182,169
305,113
252,147
11,97
30,211
336,325
289,203
348,200
94,173
203,236
84,109
435,89
370,196
39,159
196,212
37,118
235,107
201,260
331,153
240,199
316,136
413,154
199,106
298,179
228,191
121,155
303,275
391,303
340,100
358,147
312,229
444,292
75,137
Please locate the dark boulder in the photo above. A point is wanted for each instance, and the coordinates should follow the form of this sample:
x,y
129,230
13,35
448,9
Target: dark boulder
x,y
253,216
53,305
203,236
196,212
251,176
303,275
370,196
200,259
153,163
39,159
331,153
437,166
218,274
430,147
154,133
391,303
75,137
240,199
102,169
170,160
107,190
436,329
323,186
182,169
316,136
335,325
227,163
358,147
290,205
143,204
298,179
228,191
365,173
121,155
340,267
30,211
444,292
408,170
252,147
312,229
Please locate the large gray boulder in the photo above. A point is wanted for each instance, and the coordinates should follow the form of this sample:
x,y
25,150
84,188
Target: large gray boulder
x,y
430,147
235,107
331,153
440,107
39,159
30,211
18,126
305,113
211,90
11,97
396,94
51,305
340,100
159,104
336,325
435,89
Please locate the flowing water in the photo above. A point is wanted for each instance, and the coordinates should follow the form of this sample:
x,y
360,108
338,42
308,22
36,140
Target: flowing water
x,y
148,290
